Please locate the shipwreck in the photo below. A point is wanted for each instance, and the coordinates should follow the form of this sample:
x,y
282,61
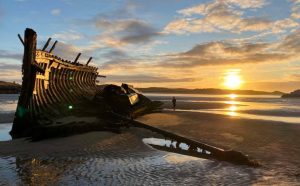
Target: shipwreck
x,y
54,88
60,97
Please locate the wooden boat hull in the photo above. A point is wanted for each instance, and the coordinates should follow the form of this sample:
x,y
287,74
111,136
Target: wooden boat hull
x,y
51,86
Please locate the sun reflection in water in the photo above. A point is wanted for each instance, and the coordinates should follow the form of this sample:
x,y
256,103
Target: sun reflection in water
x,y
232,96
232,110
231,102
233,105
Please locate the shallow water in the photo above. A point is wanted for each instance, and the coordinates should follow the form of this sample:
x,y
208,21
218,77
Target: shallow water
x,y
261,107
8,102
4,131
8,105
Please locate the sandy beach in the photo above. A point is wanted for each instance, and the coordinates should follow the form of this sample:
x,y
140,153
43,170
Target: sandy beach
x,y
103,158
123,159
106,158
275,145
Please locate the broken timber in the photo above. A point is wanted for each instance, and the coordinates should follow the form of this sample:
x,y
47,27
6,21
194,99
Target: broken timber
x,y
194,146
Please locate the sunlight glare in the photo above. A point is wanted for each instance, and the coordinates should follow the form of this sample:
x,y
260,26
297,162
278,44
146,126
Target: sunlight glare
x,y
232,96
232,108
232,79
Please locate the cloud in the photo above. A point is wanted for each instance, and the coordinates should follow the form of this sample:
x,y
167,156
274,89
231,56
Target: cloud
x,y
218,16
55,12
232,52
126,31
10,72
66,51
10,55
115,54
218,53
295,13
295,77
116,30
290,44
139,78
5,66
225,53
206,8
274,85
67,36
247,3
120,65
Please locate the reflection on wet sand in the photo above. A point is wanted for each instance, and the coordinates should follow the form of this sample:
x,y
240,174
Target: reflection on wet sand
x,y
165,169
177,158
33,171
232,110
101,158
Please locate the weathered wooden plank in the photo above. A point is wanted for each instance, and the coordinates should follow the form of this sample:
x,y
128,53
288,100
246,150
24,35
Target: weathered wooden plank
x,y
53,46
22,118
90,59
77,57
46,44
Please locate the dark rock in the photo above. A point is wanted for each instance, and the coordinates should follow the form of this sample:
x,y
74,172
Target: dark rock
x,y
294,94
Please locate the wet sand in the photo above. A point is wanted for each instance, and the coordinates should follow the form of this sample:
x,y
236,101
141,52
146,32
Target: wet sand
x,y
6,117
105,158
275,145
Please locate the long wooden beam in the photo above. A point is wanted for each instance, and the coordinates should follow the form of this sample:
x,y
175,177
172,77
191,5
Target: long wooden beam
x,y
232,156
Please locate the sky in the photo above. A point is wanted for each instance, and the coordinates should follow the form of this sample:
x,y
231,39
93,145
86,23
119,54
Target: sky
x,y
164,43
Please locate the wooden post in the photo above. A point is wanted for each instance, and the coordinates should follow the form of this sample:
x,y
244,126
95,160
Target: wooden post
x,y
22,118
21,39
90,59
46,44
53,46
77,57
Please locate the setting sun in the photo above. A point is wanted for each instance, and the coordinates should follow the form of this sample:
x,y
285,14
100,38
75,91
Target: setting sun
x,y
232,79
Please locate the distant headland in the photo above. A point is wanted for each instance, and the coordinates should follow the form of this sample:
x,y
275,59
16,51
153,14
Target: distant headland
x,y
15,88
294,94
206,91
9,88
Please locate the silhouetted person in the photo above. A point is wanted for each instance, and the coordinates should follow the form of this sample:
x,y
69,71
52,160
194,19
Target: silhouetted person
x,y
174,102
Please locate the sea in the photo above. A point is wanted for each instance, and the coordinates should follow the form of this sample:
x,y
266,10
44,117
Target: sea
x,y
262,107
156,169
